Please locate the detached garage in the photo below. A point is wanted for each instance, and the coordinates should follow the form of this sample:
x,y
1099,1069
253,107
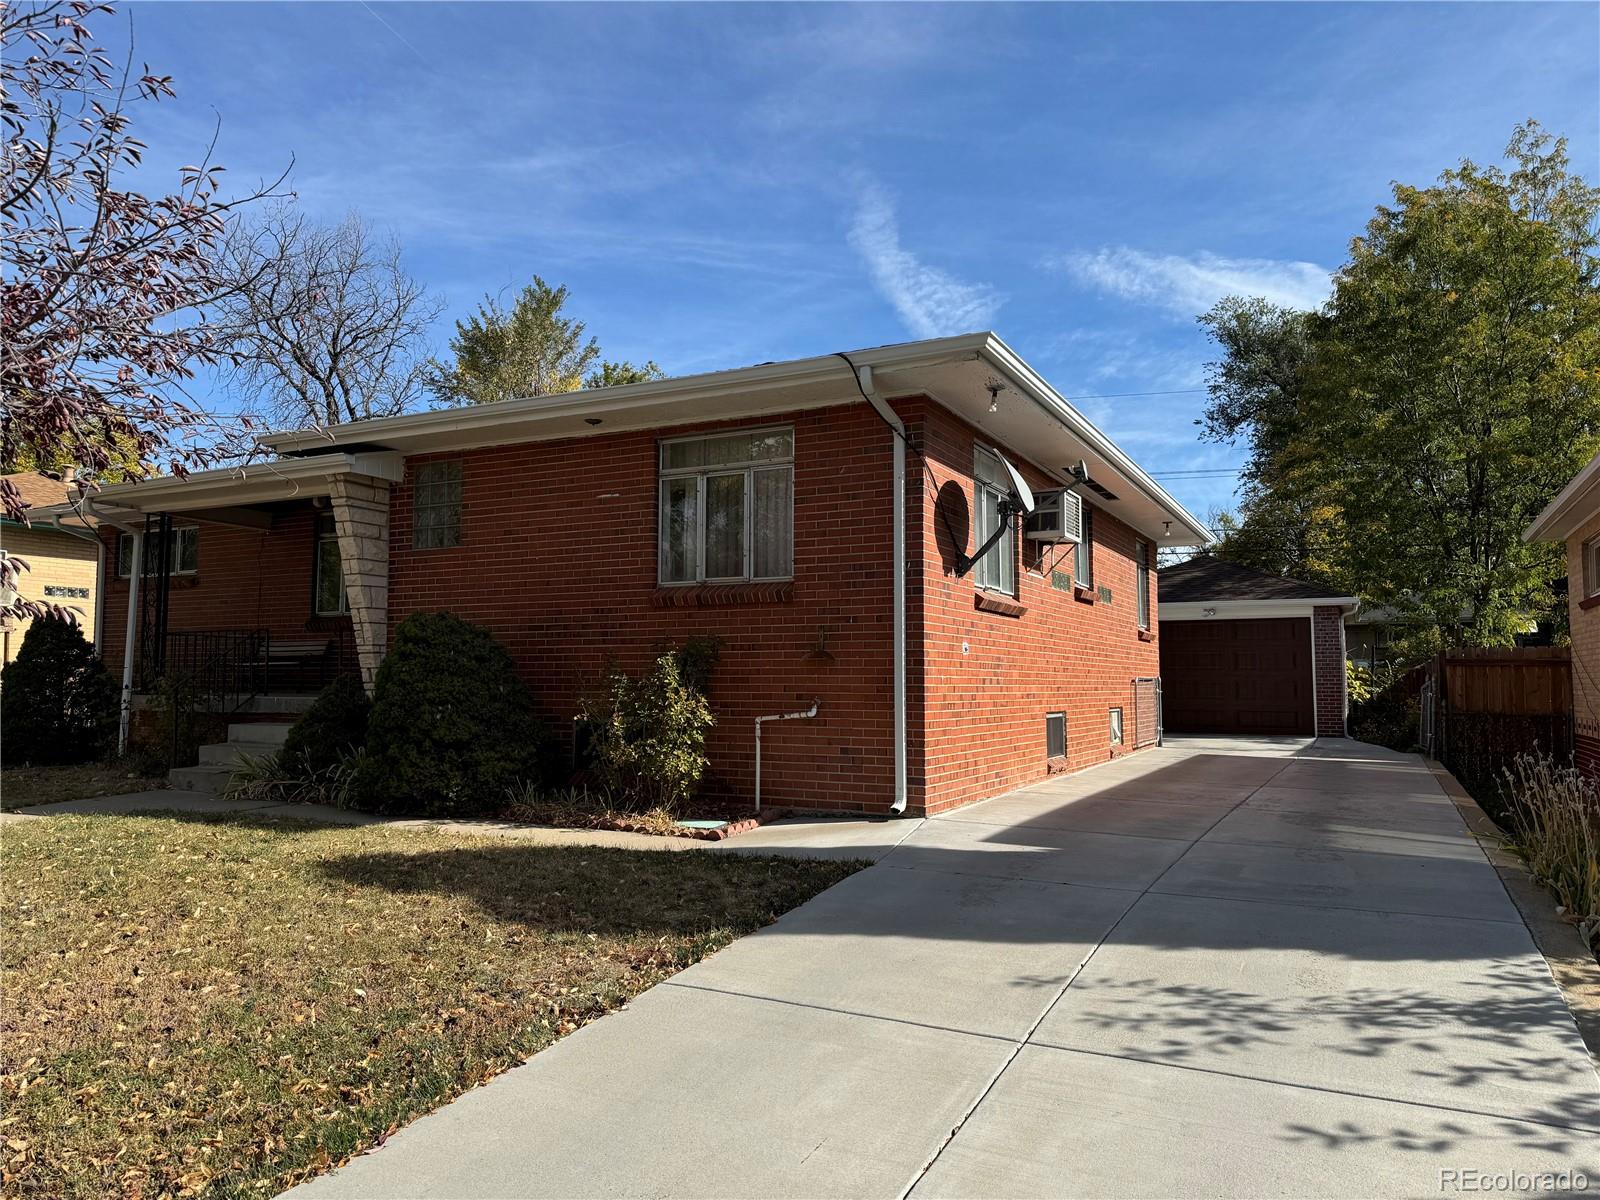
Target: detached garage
x,y
1243,652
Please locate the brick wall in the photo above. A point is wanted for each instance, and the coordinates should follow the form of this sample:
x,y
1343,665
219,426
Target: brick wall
x,y
247,579
56,561
558,560
1585,624
1327,645
989,678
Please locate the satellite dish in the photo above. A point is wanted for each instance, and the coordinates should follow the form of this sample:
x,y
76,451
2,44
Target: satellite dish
x,y
1021,493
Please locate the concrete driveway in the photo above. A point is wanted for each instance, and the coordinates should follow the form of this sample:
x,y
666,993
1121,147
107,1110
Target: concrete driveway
x,y
1228,969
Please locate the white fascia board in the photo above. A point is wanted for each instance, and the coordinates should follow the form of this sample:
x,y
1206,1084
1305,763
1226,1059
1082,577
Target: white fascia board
x,y
254,483
1230,610
1573,506
997,352
489,421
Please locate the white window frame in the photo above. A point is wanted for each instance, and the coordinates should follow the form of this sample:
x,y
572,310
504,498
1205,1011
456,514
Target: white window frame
x,y
175,551
748,469
1589,562
1083,549
1118,728
327,532
996,571
1143,571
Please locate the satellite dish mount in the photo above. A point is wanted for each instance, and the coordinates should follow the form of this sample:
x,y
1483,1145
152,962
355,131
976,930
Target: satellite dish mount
x,y
1017,502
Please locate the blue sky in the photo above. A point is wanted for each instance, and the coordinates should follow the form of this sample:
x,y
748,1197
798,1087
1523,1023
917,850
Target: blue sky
x,y
721,185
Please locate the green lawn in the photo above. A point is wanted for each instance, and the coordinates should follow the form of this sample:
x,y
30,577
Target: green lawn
x,y
220,1007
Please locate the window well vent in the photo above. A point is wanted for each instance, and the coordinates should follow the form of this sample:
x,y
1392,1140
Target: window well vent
x,y
1055,735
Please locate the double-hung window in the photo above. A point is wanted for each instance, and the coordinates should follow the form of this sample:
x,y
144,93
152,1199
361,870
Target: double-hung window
x,y
1083,552
329,587
997,570
1591,568
1143,588
436,505
727,507
183,551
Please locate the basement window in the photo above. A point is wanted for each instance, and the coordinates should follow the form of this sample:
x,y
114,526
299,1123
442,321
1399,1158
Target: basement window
x,y
1116,727
1055,735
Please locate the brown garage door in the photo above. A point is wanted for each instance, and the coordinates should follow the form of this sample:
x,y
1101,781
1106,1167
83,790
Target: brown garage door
x,y
1236,676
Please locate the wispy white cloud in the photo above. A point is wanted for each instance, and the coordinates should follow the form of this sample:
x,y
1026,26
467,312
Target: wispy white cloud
x,y
931,302
1187,286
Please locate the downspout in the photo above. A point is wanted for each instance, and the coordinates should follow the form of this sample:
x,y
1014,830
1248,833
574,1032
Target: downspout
x,y
131,629
863,376
794,716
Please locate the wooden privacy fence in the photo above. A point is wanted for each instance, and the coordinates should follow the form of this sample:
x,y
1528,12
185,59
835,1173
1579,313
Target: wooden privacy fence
x,y
1482,707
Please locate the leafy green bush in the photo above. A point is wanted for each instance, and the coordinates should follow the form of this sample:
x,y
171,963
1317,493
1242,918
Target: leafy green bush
x,y
1383,710
331,730
452,727
648,736
60,702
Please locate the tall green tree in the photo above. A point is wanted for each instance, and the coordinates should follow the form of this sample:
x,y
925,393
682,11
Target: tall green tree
x,y
528,349
618,374
1402,438
1455,387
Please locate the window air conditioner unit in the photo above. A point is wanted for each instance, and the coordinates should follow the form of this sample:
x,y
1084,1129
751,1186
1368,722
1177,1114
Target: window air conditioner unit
x,y
1058,517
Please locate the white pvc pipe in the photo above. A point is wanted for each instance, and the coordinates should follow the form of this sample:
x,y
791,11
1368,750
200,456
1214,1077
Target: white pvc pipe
x,y
794,716
898,555
130,631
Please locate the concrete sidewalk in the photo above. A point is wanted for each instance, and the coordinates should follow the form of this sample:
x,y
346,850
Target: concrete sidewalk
x,y
1287,970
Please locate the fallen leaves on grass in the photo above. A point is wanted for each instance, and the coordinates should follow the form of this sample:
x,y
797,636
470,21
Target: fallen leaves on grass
x,y
226,1008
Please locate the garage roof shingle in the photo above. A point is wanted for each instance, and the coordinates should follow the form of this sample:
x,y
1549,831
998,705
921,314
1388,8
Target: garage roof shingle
x,y
1207,577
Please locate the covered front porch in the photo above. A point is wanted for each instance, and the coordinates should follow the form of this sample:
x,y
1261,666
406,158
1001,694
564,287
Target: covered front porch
x,y
246,588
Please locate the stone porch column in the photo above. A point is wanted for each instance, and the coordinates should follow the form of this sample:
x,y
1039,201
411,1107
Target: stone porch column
x,y
361,521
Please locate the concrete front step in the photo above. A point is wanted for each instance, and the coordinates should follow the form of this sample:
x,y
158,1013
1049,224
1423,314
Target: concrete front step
x,y
208,778
259,731
225,753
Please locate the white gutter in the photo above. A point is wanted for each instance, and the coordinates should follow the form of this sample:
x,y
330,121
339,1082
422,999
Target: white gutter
x,y
794,716
898,556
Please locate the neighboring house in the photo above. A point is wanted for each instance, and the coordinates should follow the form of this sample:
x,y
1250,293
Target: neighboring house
x,y
756,505
63,560
1244,652
1573,517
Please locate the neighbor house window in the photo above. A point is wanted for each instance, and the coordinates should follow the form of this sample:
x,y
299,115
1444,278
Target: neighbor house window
x,y
1591,567
329,569
436,506
1083,552
727,507
1116,727
997,569
1142,551
183,551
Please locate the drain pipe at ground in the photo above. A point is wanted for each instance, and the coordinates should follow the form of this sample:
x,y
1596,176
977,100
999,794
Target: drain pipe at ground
x,y
794,716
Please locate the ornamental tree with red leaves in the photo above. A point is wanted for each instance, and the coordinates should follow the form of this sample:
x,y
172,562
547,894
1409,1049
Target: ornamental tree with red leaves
x,y
101,306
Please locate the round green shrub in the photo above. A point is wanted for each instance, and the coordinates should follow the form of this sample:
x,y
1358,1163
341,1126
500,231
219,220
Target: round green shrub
x,y
331,730
60,703
452,726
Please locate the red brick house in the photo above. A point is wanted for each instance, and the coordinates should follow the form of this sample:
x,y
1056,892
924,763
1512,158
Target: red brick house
x,y
1573,517
759,505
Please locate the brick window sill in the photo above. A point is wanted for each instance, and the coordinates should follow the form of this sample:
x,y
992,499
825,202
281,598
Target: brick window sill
x,y
1146,635
1002,605
1055,766
1083,595
723,595
1591,602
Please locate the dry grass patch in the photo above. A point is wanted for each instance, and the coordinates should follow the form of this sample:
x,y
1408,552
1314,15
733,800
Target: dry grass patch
x,y
223,1007
23,787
